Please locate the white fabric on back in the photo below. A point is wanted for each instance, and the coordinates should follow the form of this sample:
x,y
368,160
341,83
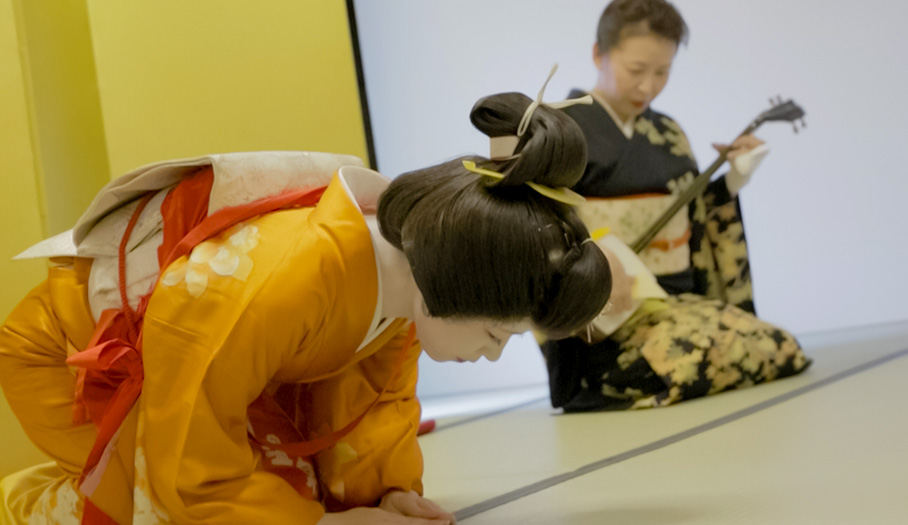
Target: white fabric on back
x,y
239,178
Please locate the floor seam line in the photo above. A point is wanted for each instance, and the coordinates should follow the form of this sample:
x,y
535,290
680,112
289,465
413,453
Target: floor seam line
x,y
541,485
479,417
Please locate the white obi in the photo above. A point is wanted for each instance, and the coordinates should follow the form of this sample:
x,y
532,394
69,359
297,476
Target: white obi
x,y
629,217
239,178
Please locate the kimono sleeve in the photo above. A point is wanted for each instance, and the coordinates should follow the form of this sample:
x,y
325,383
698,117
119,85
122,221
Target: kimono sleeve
x,y
719,248
38,384
381,454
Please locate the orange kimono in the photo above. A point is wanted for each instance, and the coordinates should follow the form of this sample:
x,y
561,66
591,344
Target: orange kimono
x,y
284,303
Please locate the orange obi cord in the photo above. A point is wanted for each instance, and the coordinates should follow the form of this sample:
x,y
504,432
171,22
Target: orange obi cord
x,y
110,375
113,354
670,244
280,441
227,217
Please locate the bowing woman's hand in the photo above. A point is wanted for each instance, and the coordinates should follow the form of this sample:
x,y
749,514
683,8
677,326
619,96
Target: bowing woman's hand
x,y
378,516
413,505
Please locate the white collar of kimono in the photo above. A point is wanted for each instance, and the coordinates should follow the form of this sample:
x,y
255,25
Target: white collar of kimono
x,y
626,127
502,148
364,187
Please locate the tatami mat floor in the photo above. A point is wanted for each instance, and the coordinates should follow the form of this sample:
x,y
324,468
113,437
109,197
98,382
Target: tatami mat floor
x,y
827,447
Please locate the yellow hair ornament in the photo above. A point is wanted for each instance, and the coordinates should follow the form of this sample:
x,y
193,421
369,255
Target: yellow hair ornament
x,y
599,233
561,194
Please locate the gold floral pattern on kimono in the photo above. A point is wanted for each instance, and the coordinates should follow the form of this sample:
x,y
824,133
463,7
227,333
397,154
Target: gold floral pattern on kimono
x,y
225,256
39,495
700,346
675,135
145,511
645,127
721,257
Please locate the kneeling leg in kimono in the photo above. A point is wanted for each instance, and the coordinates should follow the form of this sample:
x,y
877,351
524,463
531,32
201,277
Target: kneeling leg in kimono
x,y
671,350
684,346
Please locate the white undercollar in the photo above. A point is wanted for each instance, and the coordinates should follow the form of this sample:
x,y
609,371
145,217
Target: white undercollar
x,y
364,187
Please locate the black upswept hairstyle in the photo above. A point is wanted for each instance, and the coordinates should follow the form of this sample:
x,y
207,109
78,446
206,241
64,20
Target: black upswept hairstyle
x,y
657,16
485,248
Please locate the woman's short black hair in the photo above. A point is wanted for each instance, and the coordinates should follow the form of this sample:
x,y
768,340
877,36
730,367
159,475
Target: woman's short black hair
x,y
621,17
485,248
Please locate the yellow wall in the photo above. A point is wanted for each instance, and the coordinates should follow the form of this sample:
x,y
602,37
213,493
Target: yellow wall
x,y
20,215
181,78
71,155
92,89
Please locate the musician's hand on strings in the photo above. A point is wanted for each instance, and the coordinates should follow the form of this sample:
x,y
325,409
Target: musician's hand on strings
x,y
744,155
741,145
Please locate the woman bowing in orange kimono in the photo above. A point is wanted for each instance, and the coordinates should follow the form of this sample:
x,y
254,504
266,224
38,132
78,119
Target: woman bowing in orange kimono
x,y
234,338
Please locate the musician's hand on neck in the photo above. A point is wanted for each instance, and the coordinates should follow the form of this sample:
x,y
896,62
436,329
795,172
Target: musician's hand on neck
x,y
741,145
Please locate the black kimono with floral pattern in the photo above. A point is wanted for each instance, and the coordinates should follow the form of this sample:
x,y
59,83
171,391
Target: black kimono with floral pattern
x,y
704,338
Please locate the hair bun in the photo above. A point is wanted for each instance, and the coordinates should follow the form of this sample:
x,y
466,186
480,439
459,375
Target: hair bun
x,y
552,151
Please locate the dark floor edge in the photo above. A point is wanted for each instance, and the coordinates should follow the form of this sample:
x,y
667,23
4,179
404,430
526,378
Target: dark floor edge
x,y
485,415
655,445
